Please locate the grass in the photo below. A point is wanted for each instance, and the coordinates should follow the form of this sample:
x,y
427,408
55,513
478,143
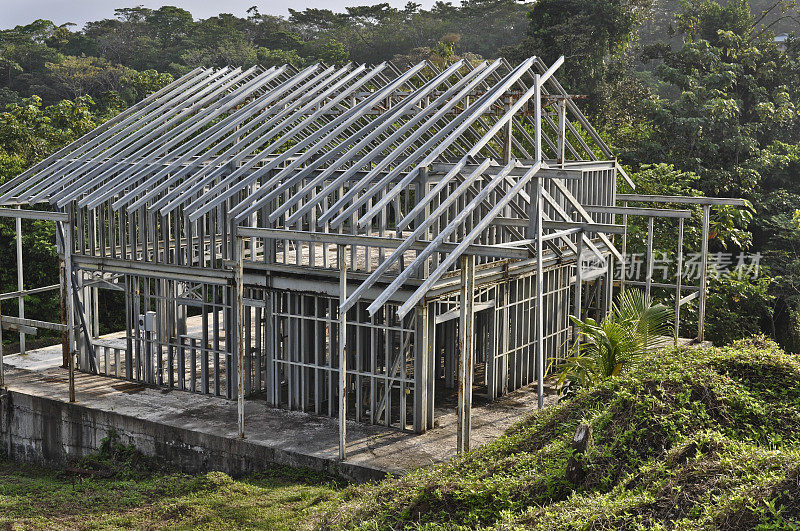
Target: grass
x,y
689,439
120,488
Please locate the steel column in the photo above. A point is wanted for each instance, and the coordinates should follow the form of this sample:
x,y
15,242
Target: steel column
x,y
539,299
238,322
422,374
701,316
2,366
678,274
466,352
20,281
343,353
67,240
649,273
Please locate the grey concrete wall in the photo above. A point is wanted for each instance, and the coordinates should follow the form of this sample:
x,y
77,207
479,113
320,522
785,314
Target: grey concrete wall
x,y
52,433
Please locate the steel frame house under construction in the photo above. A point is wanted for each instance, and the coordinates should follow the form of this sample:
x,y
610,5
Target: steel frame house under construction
x,y
346,241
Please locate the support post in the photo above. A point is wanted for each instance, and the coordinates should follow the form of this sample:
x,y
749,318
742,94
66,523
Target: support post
x,y
678,281
539,298
537,110
20,282
67,229
562,129
238,318
269,339
342,353
701,316
624,264
62,274
538,237
2,367
648,281
603,304
491,355
608,292
577,302
421,367
432,363
4,417
95,302
505,335
466,354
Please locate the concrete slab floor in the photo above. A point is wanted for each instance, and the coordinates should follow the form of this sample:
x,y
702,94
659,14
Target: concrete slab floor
x,y
375,448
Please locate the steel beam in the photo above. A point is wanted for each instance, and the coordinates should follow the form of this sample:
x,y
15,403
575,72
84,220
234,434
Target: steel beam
x,y
565,225
377,241
33,214
646,212
683,200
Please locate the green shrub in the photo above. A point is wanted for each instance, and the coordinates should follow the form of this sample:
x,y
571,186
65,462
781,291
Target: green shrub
x,y
634,326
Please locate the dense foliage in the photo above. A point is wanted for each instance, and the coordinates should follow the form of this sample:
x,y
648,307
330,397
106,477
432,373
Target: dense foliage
x,y
56,62
721,108
693,438
695,96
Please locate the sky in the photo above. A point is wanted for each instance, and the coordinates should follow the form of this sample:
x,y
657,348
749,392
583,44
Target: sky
x,y
18,12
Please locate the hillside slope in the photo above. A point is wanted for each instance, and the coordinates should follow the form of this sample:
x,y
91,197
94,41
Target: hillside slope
x,y
690,439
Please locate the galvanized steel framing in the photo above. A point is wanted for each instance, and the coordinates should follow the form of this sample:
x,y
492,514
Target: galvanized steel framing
x,y
319,237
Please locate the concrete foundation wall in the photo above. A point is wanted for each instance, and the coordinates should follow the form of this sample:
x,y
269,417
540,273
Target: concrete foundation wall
x,y
52,433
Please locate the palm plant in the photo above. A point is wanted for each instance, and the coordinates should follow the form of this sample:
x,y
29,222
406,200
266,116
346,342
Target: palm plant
x,y
602,350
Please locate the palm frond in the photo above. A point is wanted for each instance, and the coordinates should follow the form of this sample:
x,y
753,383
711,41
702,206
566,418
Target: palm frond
x,y
604,350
